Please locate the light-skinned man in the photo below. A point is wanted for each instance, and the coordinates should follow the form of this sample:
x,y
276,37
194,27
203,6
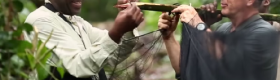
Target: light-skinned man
x,y
250,44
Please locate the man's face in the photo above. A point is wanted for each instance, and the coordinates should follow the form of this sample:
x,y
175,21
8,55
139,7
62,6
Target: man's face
x,y
69,7
230,7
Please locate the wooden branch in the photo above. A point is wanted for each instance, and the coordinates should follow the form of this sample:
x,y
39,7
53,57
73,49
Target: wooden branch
x,y
168,8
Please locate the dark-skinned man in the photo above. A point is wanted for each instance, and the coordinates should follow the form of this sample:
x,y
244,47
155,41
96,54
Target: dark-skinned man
x,y
250,44
84,50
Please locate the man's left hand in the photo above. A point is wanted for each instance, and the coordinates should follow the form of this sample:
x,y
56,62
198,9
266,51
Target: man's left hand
x,y
188,15
124,2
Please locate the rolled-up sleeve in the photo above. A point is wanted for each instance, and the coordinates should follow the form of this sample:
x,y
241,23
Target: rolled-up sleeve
x,y
116,54
78,62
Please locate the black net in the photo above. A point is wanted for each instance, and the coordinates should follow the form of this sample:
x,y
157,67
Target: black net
x,y
147,45
198,52
250,52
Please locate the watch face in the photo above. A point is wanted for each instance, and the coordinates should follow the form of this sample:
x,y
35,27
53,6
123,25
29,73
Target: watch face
x,y
201,27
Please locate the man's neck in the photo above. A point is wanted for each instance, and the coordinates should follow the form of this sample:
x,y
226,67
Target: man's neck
x,y
240,17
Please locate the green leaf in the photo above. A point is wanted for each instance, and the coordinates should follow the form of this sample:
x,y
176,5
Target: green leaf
x,y
42,71
22,73
27,27
17,61
61,71
60,68
12,44
42,46
2,20
18,5
31,60
0,57
4,36
17,32
44,54
23,45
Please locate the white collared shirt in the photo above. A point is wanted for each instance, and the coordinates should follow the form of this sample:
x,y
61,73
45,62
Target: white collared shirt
x,y
77,60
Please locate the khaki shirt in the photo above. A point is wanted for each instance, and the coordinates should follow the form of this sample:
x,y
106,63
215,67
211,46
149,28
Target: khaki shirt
x,y
78,60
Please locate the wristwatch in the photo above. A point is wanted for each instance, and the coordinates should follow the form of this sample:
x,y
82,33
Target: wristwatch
x,y
201,26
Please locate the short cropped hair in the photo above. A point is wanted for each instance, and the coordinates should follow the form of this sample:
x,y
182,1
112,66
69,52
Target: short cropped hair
x,y
258,3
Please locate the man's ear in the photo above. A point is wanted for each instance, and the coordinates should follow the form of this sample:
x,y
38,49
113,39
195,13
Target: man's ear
x,y
250,2
266,2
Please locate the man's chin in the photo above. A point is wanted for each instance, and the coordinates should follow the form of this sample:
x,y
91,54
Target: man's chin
x,y
225,12
74,13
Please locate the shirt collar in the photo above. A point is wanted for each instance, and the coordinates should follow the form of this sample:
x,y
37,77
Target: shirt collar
x,y
247,22
47,1
72,19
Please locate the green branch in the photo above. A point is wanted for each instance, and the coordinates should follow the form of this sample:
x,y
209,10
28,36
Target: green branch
x,y
168,8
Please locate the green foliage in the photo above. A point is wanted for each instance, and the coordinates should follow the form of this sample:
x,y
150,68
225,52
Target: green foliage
x,y
275,7
20,58
99,10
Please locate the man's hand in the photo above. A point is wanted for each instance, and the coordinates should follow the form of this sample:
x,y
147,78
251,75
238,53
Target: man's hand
x,y
168,24
124,2
211,15
127,20
188,15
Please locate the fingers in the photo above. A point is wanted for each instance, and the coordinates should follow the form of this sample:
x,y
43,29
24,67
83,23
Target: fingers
x,y
180,9
134,0
175,20
219,15
164,21
212,7
163,24
135,13
215,3
203,7
184,8
164,15
121,2
132,7
139,16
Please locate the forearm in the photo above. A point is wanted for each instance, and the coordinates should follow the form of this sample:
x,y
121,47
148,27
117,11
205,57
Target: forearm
x,y
173,50
115,35
125,48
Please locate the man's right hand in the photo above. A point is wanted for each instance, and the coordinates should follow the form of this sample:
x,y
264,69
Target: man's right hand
x,y
168,24
211,16
127,20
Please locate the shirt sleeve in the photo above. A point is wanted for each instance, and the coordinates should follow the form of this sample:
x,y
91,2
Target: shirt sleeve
x,y
79,63
262,47
118,54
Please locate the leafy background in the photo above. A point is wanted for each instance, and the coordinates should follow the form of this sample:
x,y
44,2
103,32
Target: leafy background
x,y
16,55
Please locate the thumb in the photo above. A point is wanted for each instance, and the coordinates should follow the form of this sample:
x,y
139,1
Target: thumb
x,y
175,19
128,6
